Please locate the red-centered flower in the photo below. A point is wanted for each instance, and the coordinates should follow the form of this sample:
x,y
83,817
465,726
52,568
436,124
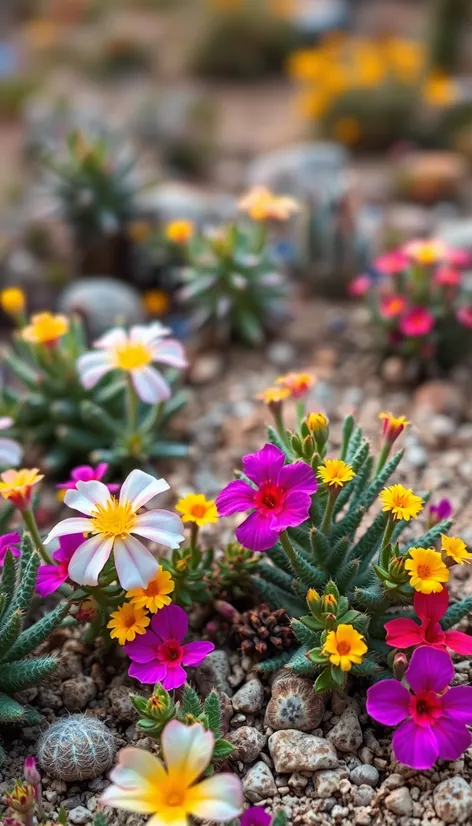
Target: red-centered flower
x,y
87,473
391,263
430,608
279,497
417,322
447,276
359,285
464,316
392,306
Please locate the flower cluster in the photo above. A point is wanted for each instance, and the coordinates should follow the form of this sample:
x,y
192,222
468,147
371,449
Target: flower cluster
x,y
418,302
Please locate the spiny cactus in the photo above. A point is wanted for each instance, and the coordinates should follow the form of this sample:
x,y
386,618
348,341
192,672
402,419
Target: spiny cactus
x,y
17,672
76,748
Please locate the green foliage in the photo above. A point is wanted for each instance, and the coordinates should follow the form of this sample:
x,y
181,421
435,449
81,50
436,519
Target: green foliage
x,y
230,577
189,569
72,425
231,284
17,670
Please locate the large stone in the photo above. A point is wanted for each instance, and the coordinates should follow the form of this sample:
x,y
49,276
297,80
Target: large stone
x,y
77,693
214,673
294,751
453,800
259,783
364,775
294,705
302,170
103,303
347,733
248,743
249,697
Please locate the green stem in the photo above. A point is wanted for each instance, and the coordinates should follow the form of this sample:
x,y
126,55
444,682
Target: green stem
x,y
389,528
30,522
300,412
281,432
288,548
131,407
384,454
328,514
194,536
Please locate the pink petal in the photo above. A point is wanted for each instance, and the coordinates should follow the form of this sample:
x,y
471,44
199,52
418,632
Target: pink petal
x,y
459,642
388,702
49,578
403,633
457,704
144,648
170,352
235,497
150,386
299,475
263,465
431,606
152,672
430,669
135,564
415,746
256,533
295,511
170,623
89,560
174,678
453,738
195,652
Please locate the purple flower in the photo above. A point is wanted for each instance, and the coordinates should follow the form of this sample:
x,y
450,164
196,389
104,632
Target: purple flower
x,y
159,655
433,718
255,816
50,577
443,510
7,543
87,473
280,497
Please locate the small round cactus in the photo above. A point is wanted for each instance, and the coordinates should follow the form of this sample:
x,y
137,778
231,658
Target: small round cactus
x,y
76,748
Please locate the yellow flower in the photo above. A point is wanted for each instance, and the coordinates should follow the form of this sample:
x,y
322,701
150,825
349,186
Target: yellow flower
x,y
401,502
45,328
317,421
426,570
180,232
345,647
127,621
274,395
313,103
12,301
439,90
393,426
297,383
427,253
335,473
455,548
260,204
195,508
305,65
329,601
154,596
347,130
156,302
16,485
171,793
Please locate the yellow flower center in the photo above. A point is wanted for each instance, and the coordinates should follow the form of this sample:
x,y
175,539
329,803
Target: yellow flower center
x,y
114,519
423,571
175,797
132,355
343,648
128,619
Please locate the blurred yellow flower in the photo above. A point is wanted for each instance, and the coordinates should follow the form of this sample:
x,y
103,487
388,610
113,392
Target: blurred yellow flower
x,y
45,328
439,90
156,302
12,301
179,232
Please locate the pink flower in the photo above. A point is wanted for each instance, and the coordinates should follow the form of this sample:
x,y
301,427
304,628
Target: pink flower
x,y
447,276
433,718
391,263
430,608
159,655
439,512
87,473
280,497
7,543
360,285
392,306
417,322
255,816
50,577
458,258
464,315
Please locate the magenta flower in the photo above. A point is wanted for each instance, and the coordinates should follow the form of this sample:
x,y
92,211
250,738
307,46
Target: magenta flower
x,y
7,543
159,655
87,473
255,816
417,322
392,262
430,608
50,577
280,498
433,718
439,512
360,285
464,316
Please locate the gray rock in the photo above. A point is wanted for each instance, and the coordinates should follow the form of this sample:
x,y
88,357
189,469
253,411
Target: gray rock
x,y
80,815
363,796
214,673
294,751
122,707
298,782
281,353
259,783
326,783
170,201
347,733
77,693
399,802
365,774
103,303
453,800
250,697
303,170
294,705
248,743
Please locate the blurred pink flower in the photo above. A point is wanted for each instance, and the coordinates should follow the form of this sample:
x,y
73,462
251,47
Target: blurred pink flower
x,y
418,321
392,306
359,285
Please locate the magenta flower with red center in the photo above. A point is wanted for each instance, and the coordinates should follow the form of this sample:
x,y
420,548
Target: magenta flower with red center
x,y
159,655
279,496
430,608
417,322
392,262
87,473
433,718
464,315
255,816
8,542
392,306
439,512
360,285
50,577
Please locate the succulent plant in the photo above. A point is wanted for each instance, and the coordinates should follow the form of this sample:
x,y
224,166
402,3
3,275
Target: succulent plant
x,y
450,24
230,577
17,671
262,632
78,747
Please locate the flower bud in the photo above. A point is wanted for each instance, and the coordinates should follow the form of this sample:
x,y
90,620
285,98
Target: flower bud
x,y
313,599
87,610
227,611
21,798
400,664
392,426
31,772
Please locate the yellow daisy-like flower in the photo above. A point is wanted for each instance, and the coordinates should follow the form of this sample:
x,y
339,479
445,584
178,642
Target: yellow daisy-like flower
x,y
393,426
345,647
195,508
317,421
401,502
180,232
128,621
260,204
274,395
297,383
427,253
46,328
12,301
155,595
455,548
335,473
16,485
426,570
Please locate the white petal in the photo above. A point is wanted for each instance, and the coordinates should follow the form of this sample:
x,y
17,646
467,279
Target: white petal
x,y
130,800
150,386
92,367
140,763
76,524
148,333
111,339
10,452
160,526
139,488
89,559
187,750
135,564
220,798
170,352
87,496
5,422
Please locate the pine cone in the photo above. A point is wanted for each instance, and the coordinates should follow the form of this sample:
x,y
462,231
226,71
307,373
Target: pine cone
x,y
262,633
